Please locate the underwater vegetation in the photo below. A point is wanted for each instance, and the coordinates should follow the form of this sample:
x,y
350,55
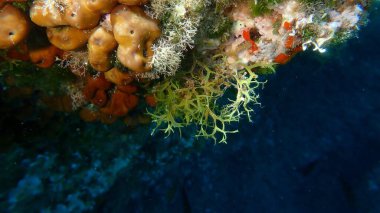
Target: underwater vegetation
x,y
173,63
159,67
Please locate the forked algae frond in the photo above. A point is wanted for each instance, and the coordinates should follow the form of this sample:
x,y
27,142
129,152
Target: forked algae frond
x,y
194,98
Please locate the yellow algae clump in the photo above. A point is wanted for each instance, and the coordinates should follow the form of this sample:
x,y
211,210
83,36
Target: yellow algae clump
x,y
103,6
108,24
82,14
100,45
47,13
14,26
135,32
67,38
78,15
118,77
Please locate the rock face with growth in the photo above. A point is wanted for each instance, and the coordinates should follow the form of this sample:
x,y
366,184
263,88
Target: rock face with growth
x,y
181,54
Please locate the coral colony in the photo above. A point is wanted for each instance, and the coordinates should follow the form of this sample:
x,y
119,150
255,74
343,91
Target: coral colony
x,y
175,63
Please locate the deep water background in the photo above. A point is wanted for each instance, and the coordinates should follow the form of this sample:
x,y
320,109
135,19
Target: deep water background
x,y
314,146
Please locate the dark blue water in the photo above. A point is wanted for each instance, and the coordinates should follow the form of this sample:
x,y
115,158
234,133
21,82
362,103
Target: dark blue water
x,y
313,147
315,144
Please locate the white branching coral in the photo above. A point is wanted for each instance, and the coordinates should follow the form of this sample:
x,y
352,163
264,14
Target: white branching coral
x,y
158,8
166,59
75,93
77,61
182,18
183,35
